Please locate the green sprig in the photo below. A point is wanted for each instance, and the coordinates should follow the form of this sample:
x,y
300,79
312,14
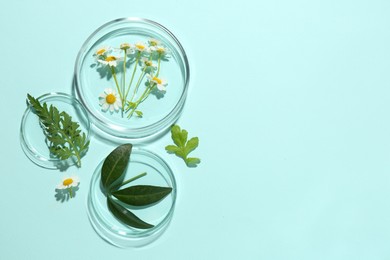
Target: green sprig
x,y
64,136
182,147
112,174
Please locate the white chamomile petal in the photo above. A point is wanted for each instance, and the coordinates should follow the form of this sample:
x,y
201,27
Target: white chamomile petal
x,y
105,106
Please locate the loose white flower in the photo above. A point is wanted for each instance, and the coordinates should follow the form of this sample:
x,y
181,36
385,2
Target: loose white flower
x,y
148,64
110,100
160,83
111,61
141,47
68,182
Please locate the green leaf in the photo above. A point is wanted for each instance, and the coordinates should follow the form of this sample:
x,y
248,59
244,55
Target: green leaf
x,y
192,161
131,104
60,131
115,165
182,147
126,216
175,134
142,195
192,144
172,148
139,113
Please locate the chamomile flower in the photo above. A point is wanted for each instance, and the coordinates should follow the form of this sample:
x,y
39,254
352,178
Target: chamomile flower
x,y
110,100
148,64
111,60
141,47
103,50
153,42
160,51
160,83
68,183
125,46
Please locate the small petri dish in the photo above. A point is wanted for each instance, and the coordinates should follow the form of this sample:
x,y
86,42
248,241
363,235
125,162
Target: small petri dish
x,y
33,139
160,109
160,214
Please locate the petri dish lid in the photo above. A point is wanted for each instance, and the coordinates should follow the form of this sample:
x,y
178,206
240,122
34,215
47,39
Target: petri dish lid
x,y
160,214
32,137
160,110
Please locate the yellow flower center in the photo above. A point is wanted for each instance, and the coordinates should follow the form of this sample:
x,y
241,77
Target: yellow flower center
x,y
101,51
155,79
67,182
110,58
110,99
140,46
148,63
160,50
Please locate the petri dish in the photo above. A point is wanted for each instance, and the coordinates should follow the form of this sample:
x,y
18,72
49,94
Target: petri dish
x,y
160,109
160,214
32,137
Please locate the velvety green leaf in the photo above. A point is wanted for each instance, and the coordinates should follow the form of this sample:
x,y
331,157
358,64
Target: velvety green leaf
x,y
142,195
181,153
192,161
172,148
183,147
115,164
127,216
183,136
175,134
192,144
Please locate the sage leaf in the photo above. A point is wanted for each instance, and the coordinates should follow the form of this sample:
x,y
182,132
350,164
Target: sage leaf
x,y
115,165
142,195
126,216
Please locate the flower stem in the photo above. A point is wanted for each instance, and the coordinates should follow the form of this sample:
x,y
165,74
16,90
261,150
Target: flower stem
x,y
132,179
70,192
159,61
117,86
132,76
124,71
138,83
141,99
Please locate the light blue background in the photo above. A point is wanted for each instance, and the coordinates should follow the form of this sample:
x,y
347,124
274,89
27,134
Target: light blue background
x,y
290,100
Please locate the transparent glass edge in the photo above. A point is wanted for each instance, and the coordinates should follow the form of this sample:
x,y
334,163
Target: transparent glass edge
x,y
150,130
102,228
49,163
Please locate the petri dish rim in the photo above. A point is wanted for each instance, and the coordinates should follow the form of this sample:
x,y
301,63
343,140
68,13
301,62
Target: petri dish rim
x,y
142,132
127,237
30,151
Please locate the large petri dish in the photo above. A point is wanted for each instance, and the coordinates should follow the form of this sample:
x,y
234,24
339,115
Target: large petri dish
x,y
160,214
159,109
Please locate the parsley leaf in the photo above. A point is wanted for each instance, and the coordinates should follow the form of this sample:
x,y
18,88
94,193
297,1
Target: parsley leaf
x,y
64,136
182,147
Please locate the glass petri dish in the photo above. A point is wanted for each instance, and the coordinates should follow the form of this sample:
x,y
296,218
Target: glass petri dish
x,y
113,230
160,110
32,137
